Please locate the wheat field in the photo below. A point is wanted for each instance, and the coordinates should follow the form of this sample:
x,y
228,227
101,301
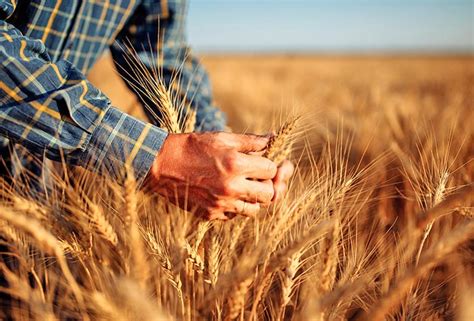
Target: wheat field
x,y
377,224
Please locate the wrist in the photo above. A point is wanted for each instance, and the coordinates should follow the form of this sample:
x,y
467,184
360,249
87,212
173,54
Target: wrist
x,y
169,156
111,142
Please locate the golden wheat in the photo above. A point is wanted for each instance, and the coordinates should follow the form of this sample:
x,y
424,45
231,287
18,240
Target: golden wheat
x,y
375,225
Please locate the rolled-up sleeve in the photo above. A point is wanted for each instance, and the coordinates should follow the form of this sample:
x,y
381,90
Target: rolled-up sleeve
x,y
120,138
52,109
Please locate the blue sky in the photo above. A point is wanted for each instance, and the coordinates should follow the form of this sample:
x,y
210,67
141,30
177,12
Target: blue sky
x,y
332,25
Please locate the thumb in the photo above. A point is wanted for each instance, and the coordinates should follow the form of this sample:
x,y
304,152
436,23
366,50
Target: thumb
x,y
247,143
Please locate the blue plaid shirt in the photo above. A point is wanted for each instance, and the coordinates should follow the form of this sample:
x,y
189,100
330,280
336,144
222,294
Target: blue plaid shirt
x,y
47,104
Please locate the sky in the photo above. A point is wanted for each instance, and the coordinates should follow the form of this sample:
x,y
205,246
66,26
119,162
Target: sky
x,y
332,25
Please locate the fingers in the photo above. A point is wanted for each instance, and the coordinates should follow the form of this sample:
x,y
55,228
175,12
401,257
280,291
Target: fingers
x,y
280,182
280,191
246,143
257,167
246,208
237,207
284,172
246,199
258,192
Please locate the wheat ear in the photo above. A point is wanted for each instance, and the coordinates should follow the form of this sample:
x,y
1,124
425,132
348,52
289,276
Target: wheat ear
x,y
165,264
438,197
329,259
280,258
278,143
150,84
194,258
213,260
101,225
430,259
49,244
190,121
464,197
288,282
236,302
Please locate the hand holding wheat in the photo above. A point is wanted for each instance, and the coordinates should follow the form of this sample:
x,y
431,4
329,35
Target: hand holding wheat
x,y
278,149
214,174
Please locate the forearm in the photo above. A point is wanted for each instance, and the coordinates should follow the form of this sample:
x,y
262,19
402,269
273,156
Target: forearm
x,y
119,140
51,108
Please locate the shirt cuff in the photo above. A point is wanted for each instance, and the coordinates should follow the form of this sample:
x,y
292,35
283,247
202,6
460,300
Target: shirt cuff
x,y
120,139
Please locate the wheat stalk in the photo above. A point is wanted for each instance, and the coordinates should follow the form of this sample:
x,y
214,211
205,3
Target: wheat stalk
x,y
106,307
165,264
138,263
194,258
273,267
49,244
430,259
329,258
190,121
437,198
213,260
288,282
174,117
461,198
237,299
101,224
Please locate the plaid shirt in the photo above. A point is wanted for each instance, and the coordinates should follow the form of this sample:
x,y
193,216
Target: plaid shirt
x,y
48,106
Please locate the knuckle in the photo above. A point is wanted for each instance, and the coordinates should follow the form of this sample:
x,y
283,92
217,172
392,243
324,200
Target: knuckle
x,y
225,190
221,205
233,187
231,162
212,139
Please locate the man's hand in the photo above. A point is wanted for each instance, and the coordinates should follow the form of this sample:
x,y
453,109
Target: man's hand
x,y
215,174
280,181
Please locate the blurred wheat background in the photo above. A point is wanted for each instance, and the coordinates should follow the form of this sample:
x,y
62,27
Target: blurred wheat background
x,y
377,224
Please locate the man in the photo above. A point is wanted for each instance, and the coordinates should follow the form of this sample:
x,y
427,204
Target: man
x,y
48,106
